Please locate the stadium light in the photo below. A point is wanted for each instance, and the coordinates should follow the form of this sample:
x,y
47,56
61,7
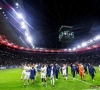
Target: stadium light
x,y
17,4
78,46
97,37
32,45
23,25
84,44
74,48
29,39
69,49
20,15
0,8
26,34
88,47
6,17
90,41
3,12
37,48
65,49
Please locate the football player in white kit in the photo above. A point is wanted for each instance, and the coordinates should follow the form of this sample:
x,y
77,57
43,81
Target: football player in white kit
x,y
43,75
36,70
23,72
52,73
64,72
26,74
45,66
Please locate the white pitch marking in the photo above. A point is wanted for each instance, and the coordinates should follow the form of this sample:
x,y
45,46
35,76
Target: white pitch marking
x,y
82,81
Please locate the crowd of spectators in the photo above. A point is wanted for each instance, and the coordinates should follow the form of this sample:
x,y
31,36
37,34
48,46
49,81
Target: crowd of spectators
x,y
12,57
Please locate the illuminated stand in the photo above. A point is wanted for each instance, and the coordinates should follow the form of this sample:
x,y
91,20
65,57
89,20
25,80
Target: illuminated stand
x,y
65,33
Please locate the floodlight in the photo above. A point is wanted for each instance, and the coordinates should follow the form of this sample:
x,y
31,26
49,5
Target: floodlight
x,y
4,14
17,4
6,17
69,49
84,44
20,15
23,25
37,48
90,41
74,48
29,39
0,8
97,37
78,46
26,34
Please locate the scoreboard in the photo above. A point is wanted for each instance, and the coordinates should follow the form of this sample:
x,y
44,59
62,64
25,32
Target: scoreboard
x,y
65,34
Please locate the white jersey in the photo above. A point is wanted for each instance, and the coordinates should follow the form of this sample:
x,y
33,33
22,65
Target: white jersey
x,y
27,72
52,73
43,72
64,70
36,67
24,71
45,69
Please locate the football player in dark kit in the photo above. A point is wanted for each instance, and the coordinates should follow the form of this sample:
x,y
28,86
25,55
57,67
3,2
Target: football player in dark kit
x,y
92,71
32,74
73,71
56,70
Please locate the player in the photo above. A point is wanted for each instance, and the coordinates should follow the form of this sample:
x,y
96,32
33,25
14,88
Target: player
x,y
73,70
32,74
23,72
43,75
64,71
45,66
85,68
56,70
81,72
52,73
26,73
36,68
92,71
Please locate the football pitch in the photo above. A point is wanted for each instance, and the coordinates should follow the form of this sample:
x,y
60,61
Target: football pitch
x,y
10,80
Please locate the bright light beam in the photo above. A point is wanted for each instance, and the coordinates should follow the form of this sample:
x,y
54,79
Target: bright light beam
x,y
84,44
78,46
29,39
20,15
23,25
97,37
74,48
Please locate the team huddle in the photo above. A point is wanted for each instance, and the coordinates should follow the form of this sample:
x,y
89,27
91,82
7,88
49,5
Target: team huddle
x,y
30,71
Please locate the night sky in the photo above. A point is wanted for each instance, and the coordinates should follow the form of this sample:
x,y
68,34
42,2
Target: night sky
x,y
47,16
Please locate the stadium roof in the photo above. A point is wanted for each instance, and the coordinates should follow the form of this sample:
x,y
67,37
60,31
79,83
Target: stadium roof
x,y
47,16
9,32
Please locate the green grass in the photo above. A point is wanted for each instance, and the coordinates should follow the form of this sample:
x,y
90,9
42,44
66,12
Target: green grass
x,y
10,80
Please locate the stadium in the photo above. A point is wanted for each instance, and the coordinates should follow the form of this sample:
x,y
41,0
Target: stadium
x,y
49,45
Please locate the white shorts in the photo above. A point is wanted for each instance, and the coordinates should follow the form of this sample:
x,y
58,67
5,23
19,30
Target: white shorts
x,y
43,75
27,75
64,73
51,76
